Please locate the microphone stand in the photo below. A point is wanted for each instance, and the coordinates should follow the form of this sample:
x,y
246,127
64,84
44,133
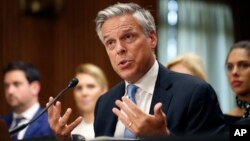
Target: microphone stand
x,y
71,84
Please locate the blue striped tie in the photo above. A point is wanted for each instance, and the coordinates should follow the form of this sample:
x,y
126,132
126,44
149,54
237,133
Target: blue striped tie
x,y
131,90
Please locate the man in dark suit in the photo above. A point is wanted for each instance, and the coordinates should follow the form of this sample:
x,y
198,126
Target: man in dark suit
x,y
190,105
22,86
162,102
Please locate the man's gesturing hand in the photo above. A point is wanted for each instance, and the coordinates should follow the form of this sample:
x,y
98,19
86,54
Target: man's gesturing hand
x,y
139,122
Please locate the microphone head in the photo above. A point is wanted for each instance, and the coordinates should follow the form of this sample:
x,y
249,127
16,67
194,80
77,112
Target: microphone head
x,y
73,82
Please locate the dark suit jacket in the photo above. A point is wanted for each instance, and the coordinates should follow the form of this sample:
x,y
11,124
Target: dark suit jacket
x,y
190,104
39,128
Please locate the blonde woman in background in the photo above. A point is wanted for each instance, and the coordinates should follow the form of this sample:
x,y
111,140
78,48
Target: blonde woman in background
x,y
92,84
188,63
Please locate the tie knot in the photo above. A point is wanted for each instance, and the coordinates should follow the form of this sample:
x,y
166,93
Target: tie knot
x,y
132,89
18,120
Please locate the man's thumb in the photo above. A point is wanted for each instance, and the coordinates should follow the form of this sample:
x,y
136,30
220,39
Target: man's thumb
x,y
158,110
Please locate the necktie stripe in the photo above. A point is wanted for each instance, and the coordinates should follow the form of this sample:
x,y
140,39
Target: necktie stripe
x,y
17,121
131,91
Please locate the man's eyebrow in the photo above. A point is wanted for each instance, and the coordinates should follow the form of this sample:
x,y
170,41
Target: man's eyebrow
x,y
127,30
104,37
124,31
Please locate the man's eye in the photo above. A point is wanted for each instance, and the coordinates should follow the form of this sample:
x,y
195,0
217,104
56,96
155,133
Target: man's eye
x,y
17,84
110,44
129,38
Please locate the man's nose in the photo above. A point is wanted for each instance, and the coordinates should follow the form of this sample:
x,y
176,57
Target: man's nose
x,y
10,89
120,48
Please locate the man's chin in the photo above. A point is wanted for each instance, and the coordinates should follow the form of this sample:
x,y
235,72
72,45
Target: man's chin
x,y
130,79
14,105
128,75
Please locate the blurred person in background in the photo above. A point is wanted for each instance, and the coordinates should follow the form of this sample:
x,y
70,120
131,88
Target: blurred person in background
x,y
22,87
92,84
188,63
238,74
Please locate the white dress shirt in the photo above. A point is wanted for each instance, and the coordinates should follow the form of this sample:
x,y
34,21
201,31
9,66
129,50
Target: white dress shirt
x,y
85,129
27,115
144,95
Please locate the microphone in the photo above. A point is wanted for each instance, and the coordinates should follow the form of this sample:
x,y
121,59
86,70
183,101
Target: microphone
x,y
72,83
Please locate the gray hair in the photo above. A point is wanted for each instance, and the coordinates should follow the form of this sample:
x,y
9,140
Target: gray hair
x,y
142,16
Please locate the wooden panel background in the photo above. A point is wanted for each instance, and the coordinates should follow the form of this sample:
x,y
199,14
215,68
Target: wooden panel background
x,y
55,46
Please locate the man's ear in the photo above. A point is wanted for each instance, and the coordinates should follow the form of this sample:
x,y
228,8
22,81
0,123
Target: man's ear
x,y
35,87
153,38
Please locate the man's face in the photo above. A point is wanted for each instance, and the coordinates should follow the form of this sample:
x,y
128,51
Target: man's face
x,y
129,49
18,92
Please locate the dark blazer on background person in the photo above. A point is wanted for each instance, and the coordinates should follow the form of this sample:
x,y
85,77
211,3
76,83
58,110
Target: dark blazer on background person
x,y
38,128
190,105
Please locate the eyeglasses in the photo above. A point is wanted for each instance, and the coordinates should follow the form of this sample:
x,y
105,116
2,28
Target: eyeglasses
x,y
241,66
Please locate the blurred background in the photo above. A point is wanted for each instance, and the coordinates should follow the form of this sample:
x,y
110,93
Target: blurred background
x,y
58,35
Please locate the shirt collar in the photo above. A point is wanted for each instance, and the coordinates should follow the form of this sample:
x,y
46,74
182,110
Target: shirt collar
x,y
28,114
147,82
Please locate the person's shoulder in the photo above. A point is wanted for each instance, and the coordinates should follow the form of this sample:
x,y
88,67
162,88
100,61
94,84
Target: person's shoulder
x,y
231,119
117,88
44,116
185,79
40,123
176,77
114,92
8,117
179,82
243,121
187,86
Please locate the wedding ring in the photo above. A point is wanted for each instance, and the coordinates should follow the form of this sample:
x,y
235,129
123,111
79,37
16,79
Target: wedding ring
x,y
130,124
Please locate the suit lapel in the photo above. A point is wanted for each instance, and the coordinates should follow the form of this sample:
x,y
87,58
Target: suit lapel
x,y
34,126
112,118
161,93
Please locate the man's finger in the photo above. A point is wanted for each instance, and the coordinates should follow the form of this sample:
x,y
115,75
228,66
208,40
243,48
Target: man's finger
x,y
64,119
57,111
73,125
126,109
158,111
132,106
50,109
121,116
